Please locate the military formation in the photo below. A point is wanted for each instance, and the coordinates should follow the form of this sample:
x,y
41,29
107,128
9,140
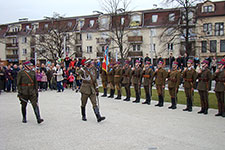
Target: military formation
x,y
118,76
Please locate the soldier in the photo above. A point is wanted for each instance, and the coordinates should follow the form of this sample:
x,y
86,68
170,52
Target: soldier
x,y
104,82
117,79
89,89
126,79
204,85
136,80
189,76
147,74
160,75
28,91
174,78
110,78
219,77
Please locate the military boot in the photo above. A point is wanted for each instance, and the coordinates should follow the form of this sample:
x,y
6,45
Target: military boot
x,y
37,114
159,101
24,112
174,104
105,93
83,114
118,95
137,99
98,116
206,107
110,94
201,111
190,105
113,92
147,101
171,104
186,109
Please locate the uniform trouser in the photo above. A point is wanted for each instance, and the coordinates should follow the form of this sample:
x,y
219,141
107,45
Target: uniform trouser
x,y
127,89
118,88
104,84
204,99
189,95
220,99
160,90
112,85
147,92
84,98
137,91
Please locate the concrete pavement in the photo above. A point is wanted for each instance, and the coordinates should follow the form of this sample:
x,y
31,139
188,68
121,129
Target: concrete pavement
x,y
127,126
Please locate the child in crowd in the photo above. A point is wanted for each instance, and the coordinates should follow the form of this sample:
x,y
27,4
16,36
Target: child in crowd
x,y
71,79
39,76
44,81
65,76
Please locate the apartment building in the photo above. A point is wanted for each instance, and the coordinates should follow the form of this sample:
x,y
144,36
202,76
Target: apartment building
x,y
145,32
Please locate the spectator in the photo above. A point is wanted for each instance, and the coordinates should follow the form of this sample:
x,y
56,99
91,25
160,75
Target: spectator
x,y
78,63
39,76
2,79
223,58
43,68
49,77
196,61
83,61
72,62
159,59
14,75
9,78
185,59
59,78
180,60
65,76
44,81
67,61
209,59
214,64
147,58
71,79
171,60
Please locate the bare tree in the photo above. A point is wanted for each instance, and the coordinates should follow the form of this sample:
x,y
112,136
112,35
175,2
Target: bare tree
x,y
50,40
118,12
184,29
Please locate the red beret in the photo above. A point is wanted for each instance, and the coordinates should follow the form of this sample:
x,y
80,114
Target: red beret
x,y
221,62
190,61
137,61
27,63
147,62
205,62
175,63
160,63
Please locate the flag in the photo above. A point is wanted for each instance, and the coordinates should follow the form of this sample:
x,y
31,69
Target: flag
x,y
105,62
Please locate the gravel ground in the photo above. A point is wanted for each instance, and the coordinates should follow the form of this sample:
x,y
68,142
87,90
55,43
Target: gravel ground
x,y
127,126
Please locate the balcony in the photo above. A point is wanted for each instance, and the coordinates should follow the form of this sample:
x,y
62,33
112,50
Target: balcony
x,y
103,41
12,56
135,39
11,34
78,54
135,54
78,42
11,45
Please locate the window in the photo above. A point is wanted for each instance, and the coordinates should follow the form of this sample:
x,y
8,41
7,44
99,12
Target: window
x,y
170,46
122,20
172,17
152,32
154,18
91,23
204,46
104,23
27,27
14,40
135,20
207,8
46,25
81,23
136,32
219,29
222,45
89,36
67,49
103,48
69,24
15,52
207,28
153,46
24,51
24,40
213,46
89,49
136,47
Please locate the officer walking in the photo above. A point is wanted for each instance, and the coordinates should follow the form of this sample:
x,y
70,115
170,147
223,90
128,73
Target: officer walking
x,y
174,78
160,78
189,76
89,89
136,80
28,91
204,85
147,74
117,79
127,79
219,77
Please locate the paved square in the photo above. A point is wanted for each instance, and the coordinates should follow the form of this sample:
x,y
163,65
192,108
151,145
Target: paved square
x,y
127,126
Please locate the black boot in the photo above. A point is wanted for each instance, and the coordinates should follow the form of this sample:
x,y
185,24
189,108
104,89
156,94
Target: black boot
x,y
24,112
83,114
37,113
137,99
186,109
98,116
147,101
171,104
174,104
206,112
113,92
159,101
118,95
190,105
105,93
201,111
110,94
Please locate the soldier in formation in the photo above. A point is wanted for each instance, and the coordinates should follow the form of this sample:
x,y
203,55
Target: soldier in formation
x,y
117,79
127,79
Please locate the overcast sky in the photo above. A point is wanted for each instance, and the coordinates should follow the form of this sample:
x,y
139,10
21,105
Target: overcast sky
x,y
12,10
